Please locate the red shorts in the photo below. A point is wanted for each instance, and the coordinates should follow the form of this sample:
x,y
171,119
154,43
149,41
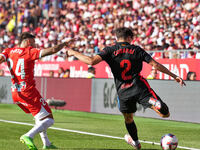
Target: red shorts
x,y
31,102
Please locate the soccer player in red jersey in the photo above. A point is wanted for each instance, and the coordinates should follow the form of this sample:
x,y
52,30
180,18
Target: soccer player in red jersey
x,y
21,62
125,61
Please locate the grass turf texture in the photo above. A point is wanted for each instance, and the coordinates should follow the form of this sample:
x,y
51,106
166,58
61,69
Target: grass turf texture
x,y
149,129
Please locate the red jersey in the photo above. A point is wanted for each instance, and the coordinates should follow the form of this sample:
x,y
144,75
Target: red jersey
x,y
21,63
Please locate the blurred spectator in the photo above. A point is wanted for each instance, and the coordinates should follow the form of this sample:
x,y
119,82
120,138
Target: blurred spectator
x,y
91,72
191,76
169,24
1,72
51,73
153,74
157,55
67,73
197,47
61,72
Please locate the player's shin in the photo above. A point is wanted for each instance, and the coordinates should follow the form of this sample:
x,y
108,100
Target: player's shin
x,y
132,130
132,137
45,139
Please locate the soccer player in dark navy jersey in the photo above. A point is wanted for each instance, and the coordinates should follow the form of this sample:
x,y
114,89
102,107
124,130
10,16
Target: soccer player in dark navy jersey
x,y
125,61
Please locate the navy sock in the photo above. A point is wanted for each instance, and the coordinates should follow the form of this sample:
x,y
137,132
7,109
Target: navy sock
x,y
132,130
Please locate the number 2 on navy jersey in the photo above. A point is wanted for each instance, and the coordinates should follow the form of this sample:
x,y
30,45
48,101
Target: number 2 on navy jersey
x,y
127,68
19,70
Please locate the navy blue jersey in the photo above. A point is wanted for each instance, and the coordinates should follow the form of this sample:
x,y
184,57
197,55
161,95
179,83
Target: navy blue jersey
x,y
125,61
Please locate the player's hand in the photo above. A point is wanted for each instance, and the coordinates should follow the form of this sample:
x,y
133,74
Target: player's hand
x,y
180,81
70,52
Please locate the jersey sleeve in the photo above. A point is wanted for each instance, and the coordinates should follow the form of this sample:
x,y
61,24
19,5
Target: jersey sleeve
x,y
143,55
5,53
35,53
104,54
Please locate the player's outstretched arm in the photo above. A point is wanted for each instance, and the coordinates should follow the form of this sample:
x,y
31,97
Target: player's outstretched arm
x,y
163,69
2,59
55,49
86,59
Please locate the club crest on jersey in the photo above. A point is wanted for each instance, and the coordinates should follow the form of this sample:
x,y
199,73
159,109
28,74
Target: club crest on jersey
x,y
19,51
126,85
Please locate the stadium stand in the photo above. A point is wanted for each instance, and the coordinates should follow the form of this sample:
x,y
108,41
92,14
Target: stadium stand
x,y
157,24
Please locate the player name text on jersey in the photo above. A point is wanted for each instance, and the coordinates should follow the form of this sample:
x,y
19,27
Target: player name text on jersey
x,y
124,50
19,51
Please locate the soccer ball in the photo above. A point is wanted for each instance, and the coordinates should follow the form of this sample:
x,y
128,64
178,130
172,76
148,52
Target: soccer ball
x,y
169,142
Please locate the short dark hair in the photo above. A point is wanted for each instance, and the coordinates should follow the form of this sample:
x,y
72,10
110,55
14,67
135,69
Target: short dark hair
x,y
25,35
90,69
189,74
67,70
123,32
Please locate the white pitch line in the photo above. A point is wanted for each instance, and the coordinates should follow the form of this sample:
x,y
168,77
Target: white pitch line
x,y
88,133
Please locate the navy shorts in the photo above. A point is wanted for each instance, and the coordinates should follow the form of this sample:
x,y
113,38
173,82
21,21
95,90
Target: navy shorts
x,y
140,92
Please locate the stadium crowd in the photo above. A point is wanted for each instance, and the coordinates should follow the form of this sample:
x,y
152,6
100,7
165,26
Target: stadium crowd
x,y
157,24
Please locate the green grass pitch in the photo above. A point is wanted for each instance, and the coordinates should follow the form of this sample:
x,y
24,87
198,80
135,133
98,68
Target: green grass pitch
x,y
113,125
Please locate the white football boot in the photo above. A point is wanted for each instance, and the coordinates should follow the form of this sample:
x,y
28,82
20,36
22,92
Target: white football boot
x,y
129,140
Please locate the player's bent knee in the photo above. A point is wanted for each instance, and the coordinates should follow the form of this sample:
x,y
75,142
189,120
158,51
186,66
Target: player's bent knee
x,y
128,117
50,122
47,122
128,120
